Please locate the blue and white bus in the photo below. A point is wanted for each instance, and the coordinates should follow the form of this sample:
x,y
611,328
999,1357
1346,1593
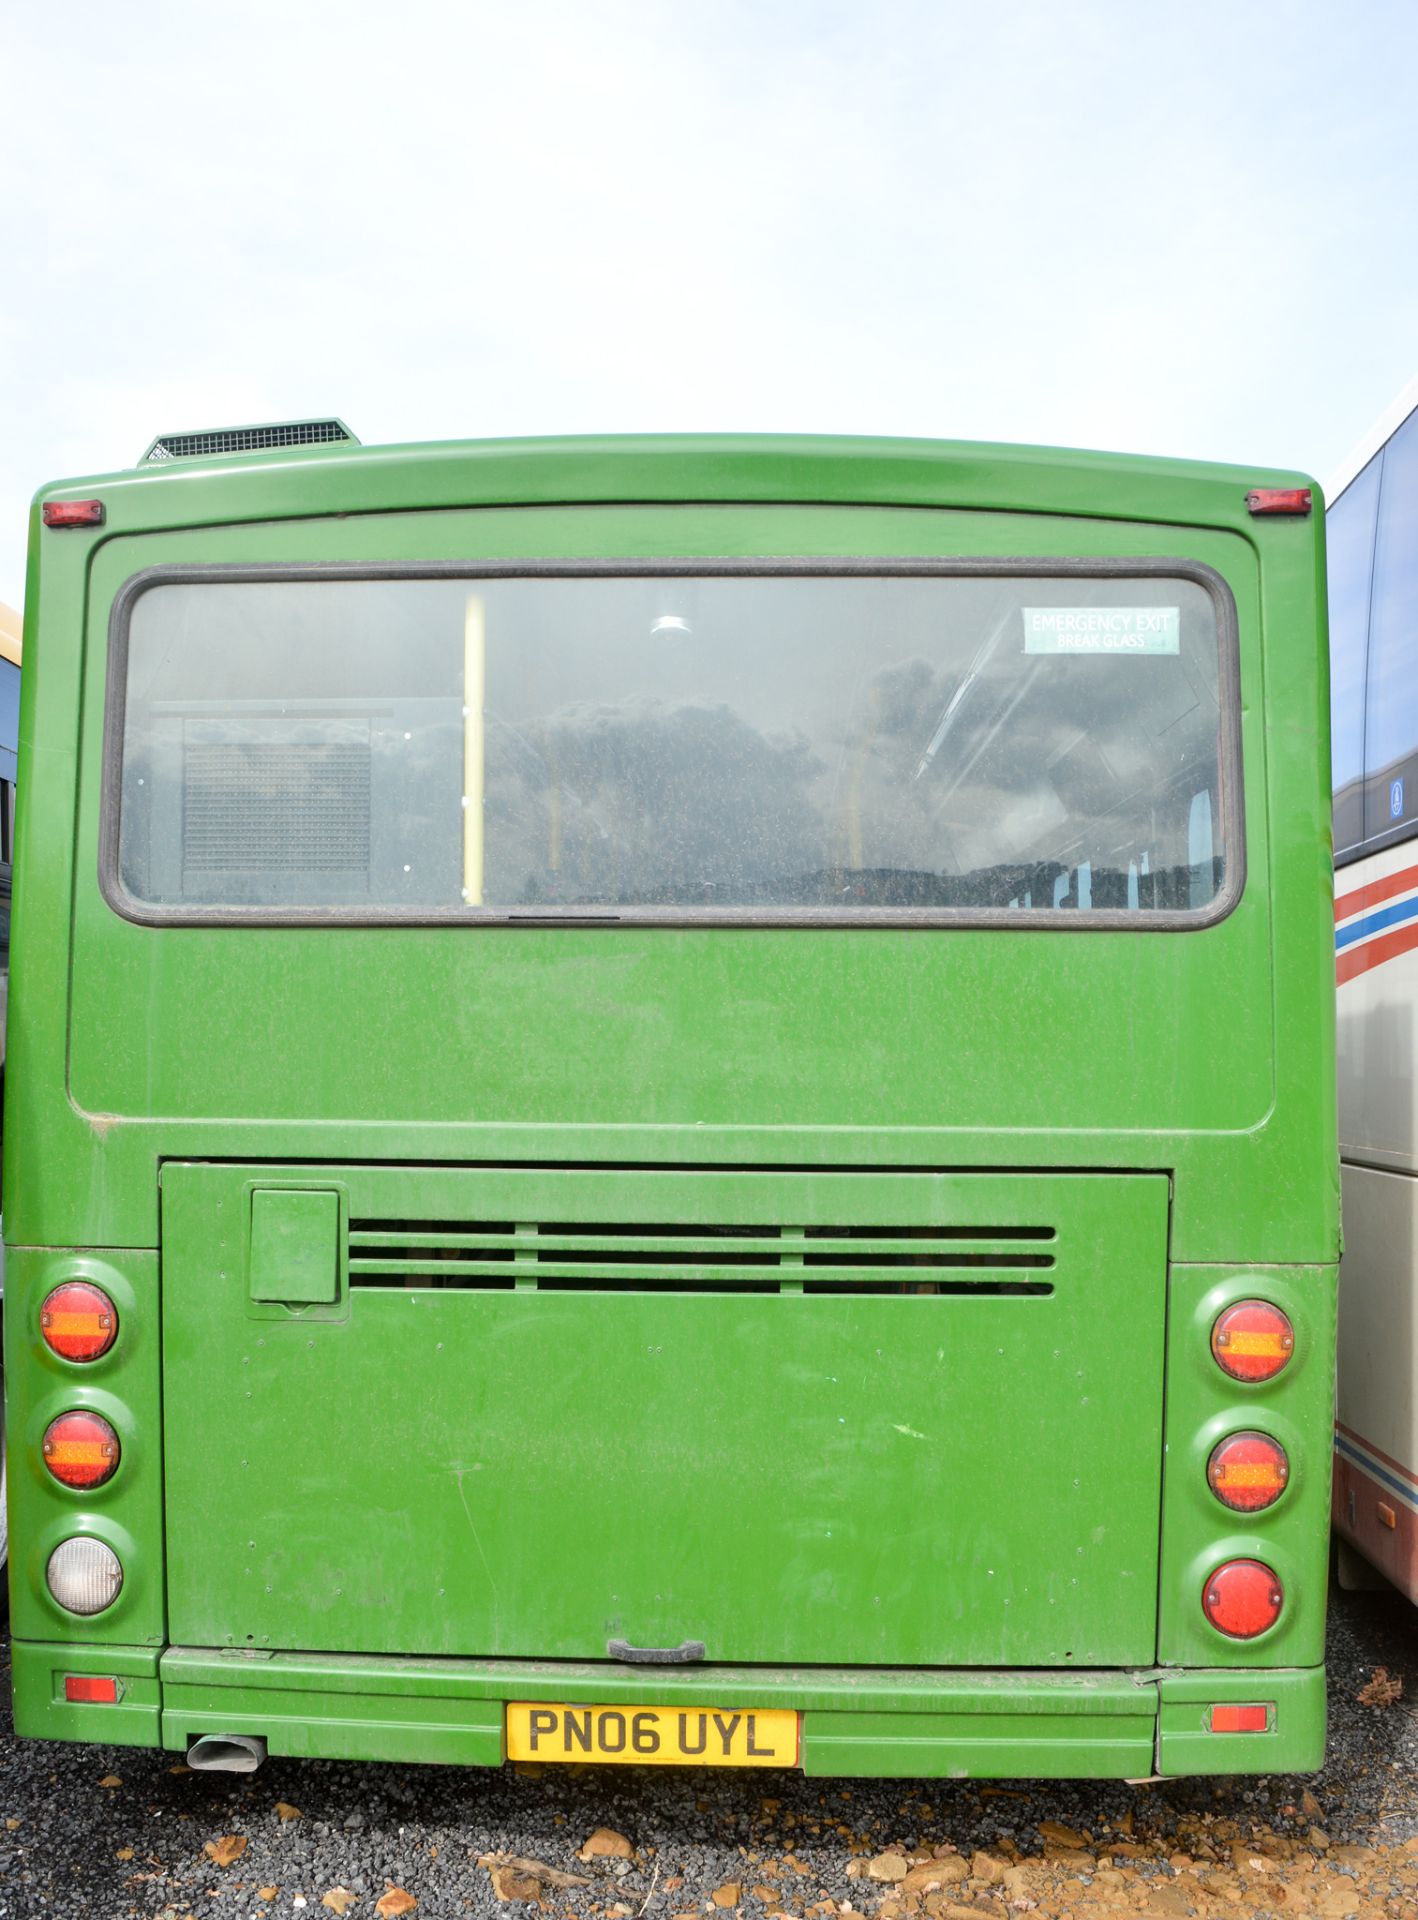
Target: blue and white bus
x,y
1373,606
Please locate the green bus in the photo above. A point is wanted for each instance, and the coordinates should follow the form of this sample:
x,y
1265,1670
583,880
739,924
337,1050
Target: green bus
x,y
671,1100
10,631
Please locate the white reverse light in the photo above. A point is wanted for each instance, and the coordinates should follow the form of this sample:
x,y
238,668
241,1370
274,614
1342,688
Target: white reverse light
x,y
84,1574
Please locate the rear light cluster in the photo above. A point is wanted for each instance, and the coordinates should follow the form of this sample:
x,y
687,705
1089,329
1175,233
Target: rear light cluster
x,y
79,1323
1252,1342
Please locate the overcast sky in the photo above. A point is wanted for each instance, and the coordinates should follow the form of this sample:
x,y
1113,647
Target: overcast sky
x,y
1183,230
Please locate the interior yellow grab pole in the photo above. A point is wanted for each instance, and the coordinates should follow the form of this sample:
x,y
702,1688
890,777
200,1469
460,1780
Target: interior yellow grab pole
x,y
474,685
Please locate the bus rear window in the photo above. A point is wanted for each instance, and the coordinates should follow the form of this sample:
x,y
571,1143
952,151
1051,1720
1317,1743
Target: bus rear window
x,y
812,743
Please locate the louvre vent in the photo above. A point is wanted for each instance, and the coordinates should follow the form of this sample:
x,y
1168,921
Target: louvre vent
x,y
288,433
258,806
641,1258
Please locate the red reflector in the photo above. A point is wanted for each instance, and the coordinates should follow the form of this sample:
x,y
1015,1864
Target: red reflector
x,y
1240,1719
72,513
1252,1341
1242,1598
1279,500
80,1450
1248,1471
93,1687
78,1321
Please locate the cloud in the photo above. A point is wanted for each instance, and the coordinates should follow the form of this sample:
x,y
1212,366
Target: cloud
x,y
1093,226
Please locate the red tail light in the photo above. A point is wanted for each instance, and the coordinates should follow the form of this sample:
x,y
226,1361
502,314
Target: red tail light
x,y
1242,1598
96,1689
78,1321
80,1450
1247,1719
1248,1472
1252,1341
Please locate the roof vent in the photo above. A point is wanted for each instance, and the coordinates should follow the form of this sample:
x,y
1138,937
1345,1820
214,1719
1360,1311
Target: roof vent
x,y
284,433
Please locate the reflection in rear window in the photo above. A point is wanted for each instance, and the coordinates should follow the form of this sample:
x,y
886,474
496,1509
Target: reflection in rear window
x,y
696,745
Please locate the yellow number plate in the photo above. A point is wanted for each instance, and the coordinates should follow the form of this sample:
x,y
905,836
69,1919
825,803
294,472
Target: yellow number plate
x,y
653,1736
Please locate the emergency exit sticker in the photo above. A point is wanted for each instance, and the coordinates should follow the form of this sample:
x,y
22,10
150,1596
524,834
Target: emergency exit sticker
x,y
1102,629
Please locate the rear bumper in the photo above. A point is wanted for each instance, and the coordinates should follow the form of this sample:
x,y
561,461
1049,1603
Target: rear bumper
x,y
922,1724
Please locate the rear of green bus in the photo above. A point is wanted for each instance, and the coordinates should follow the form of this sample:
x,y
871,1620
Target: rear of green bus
x,y
671,1102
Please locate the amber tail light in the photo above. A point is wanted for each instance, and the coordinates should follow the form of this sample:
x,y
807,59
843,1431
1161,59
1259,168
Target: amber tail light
x,y
80,1450
1248,1472
78,1321
1253,1341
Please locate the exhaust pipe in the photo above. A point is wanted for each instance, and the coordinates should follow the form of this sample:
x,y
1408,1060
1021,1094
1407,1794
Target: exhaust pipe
x,y
226,1753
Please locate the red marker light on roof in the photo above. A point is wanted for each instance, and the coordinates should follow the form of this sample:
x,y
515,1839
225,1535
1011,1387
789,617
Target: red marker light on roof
x,y
72,513
78,1321
92,1688
1280,500
1253,1341
1242,1598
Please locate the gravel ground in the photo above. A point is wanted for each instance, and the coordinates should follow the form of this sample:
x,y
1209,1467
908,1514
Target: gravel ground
x,y
119,1832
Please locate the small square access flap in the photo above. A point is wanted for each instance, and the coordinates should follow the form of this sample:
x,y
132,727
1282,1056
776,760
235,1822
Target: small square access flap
x,y
295,1246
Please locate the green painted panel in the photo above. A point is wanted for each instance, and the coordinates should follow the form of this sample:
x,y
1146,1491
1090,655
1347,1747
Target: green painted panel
x,y
1203,1406
124,1388
41,1711
960,1746
255,1673
317,1724
962,1725
859,1474
294,1256
711,1032
1293,1744
980,1724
